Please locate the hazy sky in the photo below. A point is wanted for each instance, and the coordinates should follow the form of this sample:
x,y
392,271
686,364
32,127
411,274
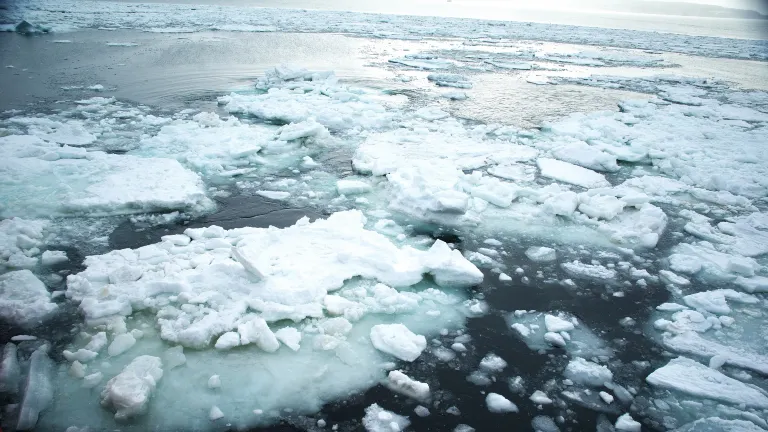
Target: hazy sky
x,y
758,5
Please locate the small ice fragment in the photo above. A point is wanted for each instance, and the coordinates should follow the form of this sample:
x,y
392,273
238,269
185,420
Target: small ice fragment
x,y
584,372
352,187
541,254
227,341
128,392
555,339
540,398
120,344
626,423
504,277
50,258
77,370
377,419
421,411
174,357
492,363
290,337
215,413
403,384
499,404
544,424
214,382
92,380
606,397
557,324
397,340
10,370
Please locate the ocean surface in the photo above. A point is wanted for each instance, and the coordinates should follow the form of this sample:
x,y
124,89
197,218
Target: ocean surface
x,y
500,10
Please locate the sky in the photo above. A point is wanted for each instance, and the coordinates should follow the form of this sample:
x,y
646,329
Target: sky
x,y
758,5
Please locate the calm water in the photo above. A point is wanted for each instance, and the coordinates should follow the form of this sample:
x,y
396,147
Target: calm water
x,y
722,27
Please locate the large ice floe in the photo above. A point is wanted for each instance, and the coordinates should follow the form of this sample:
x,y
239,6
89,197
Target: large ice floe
x,y
198,304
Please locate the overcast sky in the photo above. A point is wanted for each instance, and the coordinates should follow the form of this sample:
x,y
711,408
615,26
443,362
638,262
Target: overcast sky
x,y
758,5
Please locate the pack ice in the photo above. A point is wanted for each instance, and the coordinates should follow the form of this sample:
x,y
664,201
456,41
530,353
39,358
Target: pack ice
x,y
326,292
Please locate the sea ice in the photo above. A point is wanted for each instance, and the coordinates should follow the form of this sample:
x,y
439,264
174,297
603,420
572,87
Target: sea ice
x,y
24,300
687,376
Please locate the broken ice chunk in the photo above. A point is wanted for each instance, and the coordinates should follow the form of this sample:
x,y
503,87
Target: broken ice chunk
x,y
626,423
540,254
120,344
691,377
499,404
290,337
352,187
377,419
10,370
585,372
256,331
570,173
397,340
50,258
38,389
24,300
128,392
403,384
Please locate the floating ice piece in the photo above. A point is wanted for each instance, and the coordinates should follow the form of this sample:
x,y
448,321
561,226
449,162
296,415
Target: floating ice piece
x,y
588,271
538,80
626,423
499,404
275,195
38,389
50,258
531,326
509,65
403,384
586,373
194,274
450,80
540,398
606,397
352,187
687,376
174,357
582,154
557,324
570,173
544,424
128,392
425,62
711,424
492,363
92,380
694,344
290,337
214,382
215,413
540,254
332,105
102,184
120,344
397,340
456,95
10,370
377,419
24,300
306,129
256,331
